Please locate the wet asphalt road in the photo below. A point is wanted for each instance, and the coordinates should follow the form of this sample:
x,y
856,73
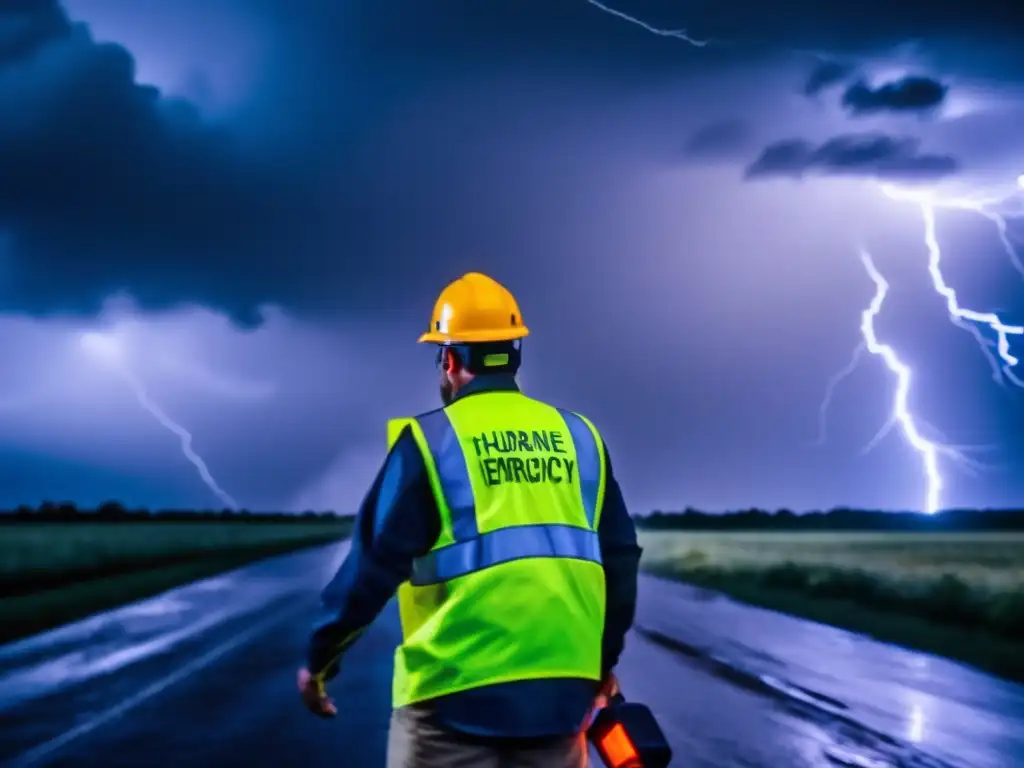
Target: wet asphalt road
x,y
204,676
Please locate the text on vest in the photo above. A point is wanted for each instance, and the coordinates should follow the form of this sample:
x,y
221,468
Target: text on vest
x,y
519,456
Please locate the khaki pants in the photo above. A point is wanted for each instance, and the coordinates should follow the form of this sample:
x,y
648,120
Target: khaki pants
x,y
415,742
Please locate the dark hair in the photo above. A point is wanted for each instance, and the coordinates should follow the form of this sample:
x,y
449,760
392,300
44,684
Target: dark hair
x,y
488,357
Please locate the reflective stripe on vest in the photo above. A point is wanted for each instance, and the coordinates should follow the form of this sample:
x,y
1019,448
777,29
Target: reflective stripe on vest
x,y
452,472
503,546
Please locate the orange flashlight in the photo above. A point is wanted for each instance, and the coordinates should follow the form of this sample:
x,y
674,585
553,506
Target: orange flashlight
x,y
626,735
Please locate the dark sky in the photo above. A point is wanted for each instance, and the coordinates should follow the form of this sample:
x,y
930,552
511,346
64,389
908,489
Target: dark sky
x,y
243,211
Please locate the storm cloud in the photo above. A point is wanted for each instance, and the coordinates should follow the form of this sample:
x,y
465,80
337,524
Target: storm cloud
x,y
107,185
908,94
719,140
111,185
826,74
866,154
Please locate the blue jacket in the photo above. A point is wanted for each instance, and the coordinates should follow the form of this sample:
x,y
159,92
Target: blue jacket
x,y
398,522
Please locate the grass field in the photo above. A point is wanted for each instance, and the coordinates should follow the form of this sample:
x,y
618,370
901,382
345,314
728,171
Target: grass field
x,y
959,595
54,573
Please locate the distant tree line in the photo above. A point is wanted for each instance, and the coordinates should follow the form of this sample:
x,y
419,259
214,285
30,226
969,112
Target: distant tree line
x,y
112,511
835,520
688,520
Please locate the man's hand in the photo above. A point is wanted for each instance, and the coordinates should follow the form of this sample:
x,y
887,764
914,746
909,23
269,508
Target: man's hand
x,y
314,696
609,687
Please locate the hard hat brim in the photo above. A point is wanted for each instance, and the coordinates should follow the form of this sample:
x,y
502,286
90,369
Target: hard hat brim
x,y
474,337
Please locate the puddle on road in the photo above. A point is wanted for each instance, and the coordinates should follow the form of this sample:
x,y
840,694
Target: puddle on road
x,y
845,757
37,666
804,695
158,606
855,744
215,584
949,710
39,680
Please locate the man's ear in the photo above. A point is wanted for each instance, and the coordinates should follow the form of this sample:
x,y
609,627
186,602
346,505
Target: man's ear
x,y
452,362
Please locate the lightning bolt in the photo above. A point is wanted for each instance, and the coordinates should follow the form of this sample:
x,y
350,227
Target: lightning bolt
x,y
830,390
678,34
901,415
107,348
997,209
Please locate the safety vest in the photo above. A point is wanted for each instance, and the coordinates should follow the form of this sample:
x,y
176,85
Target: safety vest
x,y
514,587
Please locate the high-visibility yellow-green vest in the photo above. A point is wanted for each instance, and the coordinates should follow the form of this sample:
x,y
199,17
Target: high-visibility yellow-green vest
x,y
514,587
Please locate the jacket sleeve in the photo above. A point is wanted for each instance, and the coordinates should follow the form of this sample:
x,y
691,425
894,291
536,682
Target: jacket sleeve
x,y
397,522
620,554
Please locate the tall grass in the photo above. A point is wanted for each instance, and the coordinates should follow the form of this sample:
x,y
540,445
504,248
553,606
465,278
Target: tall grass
x,y
52,573
972,583
37,557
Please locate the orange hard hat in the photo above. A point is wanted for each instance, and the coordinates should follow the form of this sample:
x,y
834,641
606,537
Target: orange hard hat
x,y
475,308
